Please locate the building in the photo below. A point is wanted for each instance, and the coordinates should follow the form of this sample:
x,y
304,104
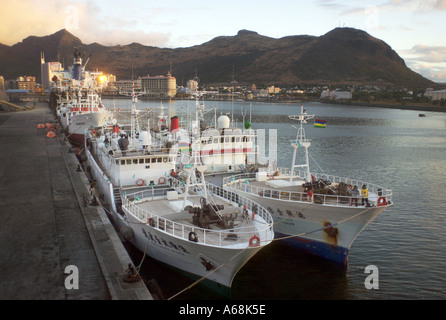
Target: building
x,y
192,85
436,94
273,90
48,70
125,85
336,95
159,86
26,83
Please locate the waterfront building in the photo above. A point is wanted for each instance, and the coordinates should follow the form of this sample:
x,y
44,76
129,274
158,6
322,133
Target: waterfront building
x,y
125,85
48,70
192,85
436,94
159,86
273,90
336,95
26,83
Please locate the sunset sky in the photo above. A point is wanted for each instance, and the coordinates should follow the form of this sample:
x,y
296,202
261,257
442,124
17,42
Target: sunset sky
x,y
413,28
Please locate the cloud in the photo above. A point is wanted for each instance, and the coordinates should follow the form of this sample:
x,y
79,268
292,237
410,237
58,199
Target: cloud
x,y
22,18
426,53
429,61
90,21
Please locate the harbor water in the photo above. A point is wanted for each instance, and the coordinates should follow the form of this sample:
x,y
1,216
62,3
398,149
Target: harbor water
x,y
392,148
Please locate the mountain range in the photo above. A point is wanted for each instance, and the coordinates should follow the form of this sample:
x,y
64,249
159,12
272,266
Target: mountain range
x,y
343,56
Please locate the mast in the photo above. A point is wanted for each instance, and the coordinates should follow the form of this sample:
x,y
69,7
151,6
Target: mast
x,y
301,141
134,112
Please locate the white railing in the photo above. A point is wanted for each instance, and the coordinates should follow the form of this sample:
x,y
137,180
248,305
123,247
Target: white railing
x,y
238,182
205,236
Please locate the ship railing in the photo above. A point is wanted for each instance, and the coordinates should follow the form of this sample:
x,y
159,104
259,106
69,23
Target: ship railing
x,y
242,182
221,238
139,153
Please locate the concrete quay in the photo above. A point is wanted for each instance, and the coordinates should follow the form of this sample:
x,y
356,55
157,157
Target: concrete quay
x,y
50,238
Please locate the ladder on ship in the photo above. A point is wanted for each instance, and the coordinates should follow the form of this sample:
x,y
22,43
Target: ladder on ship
x,y
118,200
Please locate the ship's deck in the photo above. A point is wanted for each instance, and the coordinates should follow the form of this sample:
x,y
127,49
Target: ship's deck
x,y
169,216
279,187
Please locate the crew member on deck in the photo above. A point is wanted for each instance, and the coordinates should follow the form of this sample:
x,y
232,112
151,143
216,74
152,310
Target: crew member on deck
x,y
365,195
355,196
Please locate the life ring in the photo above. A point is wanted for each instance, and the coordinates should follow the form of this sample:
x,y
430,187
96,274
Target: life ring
x,y
254,241
193,236
381,201
140,182
162,180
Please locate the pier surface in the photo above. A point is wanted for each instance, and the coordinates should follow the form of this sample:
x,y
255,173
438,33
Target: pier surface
x,y
50,238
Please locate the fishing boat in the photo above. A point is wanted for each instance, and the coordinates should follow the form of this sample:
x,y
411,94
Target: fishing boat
x,y
79,109
223,147
79,104
168,210
319,213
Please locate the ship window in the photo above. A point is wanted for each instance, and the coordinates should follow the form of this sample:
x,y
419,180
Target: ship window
x,y
227,139
164,160
122,162
160,160
147,160
237,139
147,167
153,160
135,161
233,139
216,140
141,161
129,161
210,141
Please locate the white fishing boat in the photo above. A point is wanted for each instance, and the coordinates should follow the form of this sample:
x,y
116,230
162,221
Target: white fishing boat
x,y
168,211
316,212
222,146
79,105
79,110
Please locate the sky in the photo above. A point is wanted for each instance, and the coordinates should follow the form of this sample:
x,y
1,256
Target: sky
x,y
415,29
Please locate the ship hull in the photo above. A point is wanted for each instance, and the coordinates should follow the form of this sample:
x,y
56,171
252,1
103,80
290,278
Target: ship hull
x,y
322,230
198,260
77,124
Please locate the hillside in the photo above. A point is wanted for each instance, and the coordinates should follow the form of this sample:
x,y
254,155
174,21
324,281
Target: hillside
x,y
341,56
